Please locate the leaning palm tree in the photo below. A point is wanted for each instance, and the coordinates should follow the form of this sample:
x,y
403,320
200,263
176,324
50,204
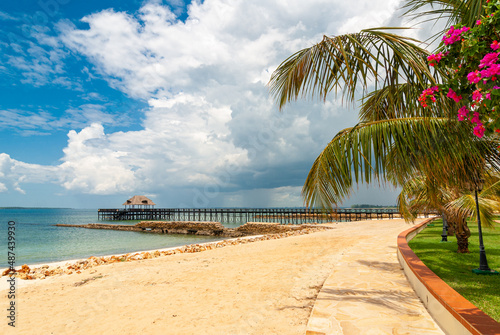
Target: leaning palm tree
x,y
396,137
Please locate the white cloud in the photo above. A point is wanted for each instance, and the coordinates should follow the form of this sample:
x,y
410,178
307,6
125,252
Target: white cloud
x,y
13,173
90,166
210,121
224,42
7,17
40,59
368,14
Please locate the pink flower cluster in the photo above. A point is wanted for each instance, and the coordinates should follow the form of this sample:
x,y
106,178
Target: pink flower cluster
x,y
489,66
434,58
462,113
428,93
474,77
453,35
479,128
477,96
453,95
489,60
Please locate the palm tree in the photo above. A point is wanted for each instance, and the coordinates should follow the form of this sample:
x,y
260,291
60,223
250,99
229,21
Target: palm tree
x,y
423,194
396,138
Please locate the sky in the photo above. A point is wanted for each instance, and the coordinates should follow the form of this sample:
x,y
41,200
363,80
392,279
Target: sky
x,y
102,101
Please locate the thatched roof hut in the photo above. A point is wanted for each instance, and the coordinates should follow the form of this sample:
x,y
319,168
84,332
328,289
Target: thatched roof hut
x,y
139,201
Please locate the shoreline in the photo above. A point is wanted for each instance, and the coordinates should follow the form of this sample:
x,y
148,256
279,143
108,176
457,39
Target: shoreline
x,y
74,264
74,260
249,229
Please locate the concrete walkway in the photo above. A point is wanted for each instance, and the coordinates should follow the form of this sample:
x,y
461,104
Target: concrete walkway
x,y
368,293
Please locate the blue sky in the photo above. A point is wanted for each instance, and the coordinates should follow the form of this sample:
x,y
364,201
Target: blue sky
x,y
103,100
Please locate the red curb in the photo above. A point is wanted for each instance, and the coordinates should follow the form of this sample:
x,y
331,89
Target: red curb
x,y
471,317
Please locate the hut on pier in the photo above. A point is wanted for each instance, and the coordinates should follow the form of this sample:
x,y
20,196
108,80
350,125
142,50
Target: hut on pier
x,y
139,201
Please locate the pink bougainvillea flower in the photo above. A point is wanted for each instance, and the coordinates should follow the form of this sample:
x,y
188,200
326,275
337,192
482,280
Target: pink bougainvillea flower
x,y
453,35
428,93
478,22
434,58
486,73
488,96
495,45
489,59
490,71
479,130
475,118
494,70
462,113
477,96
453,95
474,77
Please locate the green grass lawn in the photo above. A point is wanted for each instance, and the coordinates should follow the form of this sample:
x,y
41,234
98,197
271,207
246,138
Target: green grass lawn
x,y
455,269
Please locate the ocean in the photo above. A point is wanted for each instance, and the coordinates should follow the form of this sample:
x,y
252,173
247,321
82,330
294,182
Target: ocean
x,y
37,241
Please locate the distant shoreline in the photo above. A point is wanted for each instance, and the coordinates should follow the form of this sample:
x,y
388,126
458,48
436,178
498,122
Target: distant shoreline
x,y
38,208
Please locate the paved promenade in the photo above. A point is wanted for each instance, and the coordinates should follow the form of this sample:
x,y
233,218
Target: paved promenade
x,y
368,293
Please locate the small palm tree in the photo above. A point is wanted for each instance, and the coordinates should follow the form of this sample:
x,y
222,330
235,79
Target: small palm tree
x,y
423,194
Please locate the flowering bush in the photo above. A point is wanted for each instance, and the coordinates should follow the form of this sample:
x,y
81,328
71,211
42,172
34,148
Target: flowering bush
x,y
469,56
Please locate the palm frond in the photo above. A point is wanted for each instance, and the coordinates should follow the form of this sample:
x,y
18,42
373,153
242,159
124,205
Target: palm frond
x,y
466,206
342,64
454,11
399,101
393,150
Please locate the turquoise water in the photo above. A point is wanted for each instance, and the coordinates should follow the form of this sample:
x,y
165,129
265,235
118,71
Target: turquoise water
x,y
38,241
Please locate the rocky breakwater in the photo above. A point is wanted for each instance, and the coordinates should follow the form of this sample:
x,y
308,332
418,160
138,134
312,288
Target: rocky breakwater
x,y
185,227
41,272
101,226
260,228
197,228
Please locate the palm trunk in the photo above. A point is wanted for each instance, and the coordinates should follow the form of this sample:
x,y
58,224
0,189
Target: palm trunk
x,y
462,233
451,229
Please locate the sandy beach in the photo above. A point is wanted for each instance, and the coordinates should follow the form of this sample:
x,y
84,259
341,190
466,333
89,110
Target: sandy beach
x,y
266,287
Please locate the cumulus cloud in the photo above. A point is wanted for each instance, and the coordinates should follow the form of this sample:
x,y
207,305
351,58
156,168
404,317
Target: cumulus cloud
x,y
13,173
90,166
210,119
222,42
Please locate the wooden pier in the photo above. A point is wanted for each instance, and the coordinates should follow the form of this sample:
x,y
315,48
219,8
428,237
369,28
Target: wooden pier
x,y
243,215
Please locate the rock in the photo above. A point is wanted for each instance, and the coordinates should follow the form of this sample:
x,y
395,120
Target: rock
x,y
39,276
22,275
24,269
